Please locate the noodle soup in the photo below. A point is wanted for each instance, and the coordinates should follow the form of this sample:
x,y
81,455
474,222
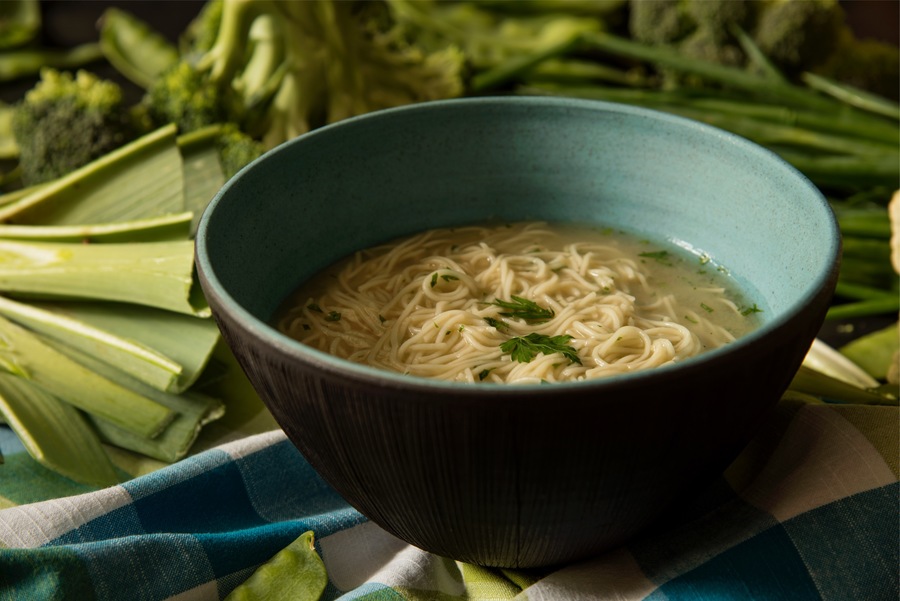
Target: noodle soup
x,y
526,302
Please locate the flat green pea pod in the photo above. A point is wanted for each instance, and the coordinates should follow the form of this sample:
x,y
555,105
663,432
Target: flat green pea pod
x,y
295,573
135,49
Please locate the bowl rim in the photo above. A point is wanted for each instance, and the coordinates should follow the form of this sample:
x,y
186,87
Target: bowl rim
x,y
222,301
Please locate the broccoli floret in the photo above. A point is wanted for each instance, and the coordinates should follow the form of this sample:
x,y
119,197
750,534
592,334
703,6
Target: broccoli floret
x,y
871,65
700,29
797,35
716,18
65,122
491,34
672,21
183,95
706,44
236,149
659,21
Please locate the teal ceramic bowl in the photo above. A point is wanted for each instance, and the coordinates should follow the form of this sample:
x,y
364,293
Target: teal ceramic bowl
x,y
518,476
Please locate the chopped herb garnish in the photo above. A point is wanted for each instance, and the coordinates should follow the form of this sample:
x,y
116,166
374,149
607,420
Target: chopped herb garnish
x,y
314,307
525,348
660,256
483,374
446,277
690,319
496,323
461,327
333,316
750,310
706,307
704,259
524,309
306,326
382,318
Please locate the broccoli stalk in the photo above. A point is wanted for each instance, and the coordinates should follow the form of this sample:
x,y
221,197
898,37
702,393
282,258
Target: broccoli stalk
x,y
279,69
65,121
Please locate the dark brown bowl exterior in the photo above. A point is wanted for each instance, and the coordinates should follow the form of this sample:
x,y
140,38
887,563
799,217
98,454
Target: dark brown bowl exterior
x,y
537,484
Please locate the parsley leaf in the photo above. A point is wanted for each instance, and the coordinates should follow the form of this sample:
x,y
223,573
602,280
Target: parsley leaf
x,y
751,310
525,348
496,323
524,309
444,276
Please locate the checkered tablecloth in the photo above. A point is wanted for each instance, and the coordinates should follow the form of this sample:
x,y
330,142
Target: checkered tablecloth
x,y
809,511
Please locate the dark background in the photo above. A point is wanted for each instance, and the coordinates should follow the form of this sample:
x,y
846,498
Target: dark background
x,y
73,21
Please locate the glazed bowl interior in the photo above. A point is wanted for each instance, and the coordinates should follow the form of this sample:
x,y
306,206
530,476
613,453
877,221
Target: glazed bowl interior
x,y
368,180
491,473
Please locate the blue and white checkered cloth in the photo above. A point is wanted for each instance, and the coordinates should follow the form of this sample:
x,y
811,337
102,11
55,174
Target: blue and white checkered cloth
x,y
808,512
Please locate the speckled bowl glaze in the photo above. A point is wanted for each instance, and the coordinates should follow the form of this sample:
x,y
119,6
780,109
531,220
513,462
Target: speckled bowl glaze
x,y
518,476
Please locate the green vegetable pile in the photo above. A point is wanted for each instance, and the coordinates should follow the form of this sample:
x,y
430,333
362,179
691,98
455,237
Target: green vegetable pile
x,y
105,341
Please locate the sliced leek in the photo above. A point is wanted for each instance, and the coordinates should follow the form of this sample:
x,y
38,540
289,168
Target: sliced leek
x,y
25,354
175,226
163,349
142,179
810,381
203,175
54,433
192,411
86,326
827,360
874,352
828,374
156,274
19,193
